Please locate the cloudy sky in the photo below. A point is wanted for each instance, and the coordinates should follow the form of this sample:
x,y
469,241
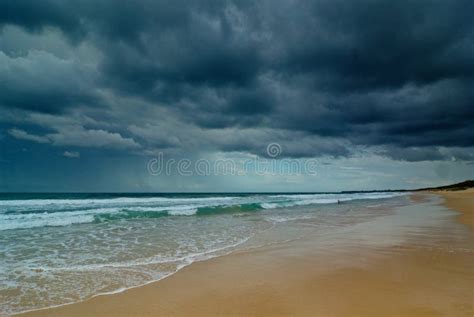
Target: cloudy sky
x,y
378,93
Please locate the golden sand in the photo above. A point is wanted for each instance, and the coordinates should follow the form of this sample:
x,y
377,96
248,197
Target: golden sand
x,y
276,281
462,202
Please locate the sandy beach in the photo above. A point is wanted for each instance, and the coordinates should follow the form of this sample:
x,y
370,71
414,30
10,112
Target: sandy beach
x,y
428,274
462,202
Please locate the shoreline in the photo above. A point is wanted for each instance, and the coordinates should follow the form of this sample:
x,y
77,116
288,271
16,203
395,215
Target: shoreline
x,y
293,280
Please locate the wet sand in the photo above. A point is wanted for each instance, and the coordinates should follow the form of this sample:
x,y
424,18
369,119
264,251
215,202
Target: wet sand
x,y
415,278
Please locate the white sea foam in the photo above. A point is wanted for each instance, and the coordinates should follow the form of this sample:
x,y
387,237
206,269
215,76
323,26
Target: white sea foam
x,y
181,262
182,212
22,214
269,205
108,201
24,221
315,199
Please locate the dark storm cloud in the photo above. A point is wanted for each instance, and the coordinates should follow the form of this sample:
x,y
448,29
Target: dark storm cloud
x,y
370,44
326,76
414,154
35,15
42,82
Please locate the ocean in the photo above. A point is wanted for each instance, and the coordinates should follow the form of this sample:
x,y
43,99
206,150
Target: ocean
x,y
57,249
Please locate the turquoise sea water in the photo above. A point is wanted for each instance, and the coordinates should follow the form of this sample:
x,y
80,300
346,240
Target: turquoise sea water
x,y
62,248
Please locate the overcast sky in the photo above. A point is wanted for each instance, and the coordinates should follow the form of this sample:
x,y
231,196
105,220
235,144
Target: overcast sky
x,y
378,93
